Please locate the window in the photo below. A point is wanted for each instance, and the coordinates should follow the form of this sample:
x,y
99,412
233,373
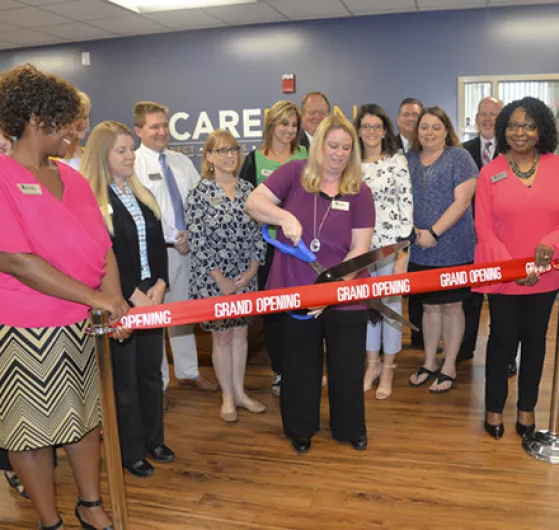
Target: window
x,y
471,90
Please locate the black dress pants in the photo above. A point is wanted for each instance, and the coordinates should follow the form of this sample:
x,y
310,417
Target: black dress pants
x,y
139,393
472,313
303,359
514,319
272,323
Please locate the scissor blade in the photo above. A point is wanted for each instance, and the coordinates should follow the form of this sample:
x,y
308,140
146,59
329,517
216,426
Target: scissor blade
x,y
383,309
359,262
317,267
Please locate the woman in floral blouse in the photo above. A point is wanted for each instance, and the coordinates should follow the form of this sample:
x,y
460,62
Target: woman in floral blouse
x,y
386,173
227,249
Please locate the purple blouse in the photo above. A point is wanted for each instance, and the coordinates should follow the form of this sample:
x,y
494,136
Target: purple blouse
x,y
335,235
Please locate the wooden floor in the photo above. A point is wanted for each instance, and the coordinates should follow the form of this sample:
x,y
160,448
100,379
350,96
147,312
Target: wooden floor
x,y
429,466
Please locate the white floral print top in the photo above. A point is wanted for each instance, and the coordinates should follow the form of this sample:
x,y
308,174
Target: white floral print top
x,y
389,180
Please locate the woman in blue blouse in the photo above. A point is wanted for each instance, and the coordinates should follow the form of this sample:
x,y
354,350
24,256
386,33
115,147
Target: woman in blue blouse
x,y
227,249
443,179
133,220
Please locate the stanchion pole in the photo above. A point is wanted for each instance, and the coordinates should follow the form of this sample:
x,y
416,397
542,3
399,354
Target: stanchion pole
x,y
117,491
544,445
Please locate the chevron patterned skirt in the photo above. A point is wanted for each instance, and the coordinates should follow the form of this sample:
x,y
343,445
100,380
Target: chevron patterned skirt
x,y
49,393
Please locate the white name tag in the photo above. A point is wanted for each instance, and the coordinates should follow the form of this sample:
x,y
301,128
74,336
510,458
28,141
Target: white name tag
x,y
499,176
30,189
266,172
340,205
216,201
155,176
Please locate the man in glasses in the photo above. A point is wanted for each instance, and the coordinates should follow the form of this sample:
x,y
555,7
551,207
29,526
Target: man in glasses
x,y
482,147
314,108
483,150
408,114
170,176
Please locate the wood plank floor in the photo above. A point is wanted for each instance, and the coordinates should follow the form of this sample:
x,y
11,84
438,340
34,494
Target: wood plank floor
x,y
428,466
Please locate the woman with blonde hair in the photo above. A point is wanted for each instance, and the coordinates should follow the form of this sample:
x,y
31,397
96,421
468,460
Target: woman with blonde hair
x,y
132,218
325,203
226,248
75,151
280,144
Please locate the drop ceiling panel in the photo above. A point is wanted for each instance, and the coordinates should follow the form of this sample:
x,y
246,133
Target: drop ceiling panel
x,y
450,4
86,10
76,31
30,17
10,4
366,7
129,25
247,14
193,18
29,37
298,9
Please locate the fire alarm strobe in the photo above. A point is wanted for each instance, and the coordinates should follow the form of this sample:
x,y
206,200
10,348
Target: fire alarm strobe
x,y
288,83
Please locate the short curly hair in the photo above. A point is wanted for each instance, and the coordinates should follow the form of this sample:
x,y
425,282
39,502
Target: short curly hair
x,y
540,113
25,92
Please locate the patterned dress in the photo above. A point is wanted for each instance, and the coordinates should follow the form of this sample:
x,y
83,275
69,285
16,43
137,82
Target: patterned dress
x,y
390,183
221,236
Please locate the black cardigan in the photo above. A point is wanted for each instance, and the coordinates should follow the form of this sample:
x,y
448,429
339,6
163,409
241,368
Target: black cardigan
x,y
127,248
248,170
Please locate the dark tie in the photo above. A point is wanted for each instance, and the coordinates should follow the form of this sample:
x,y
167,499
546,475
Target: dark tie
x,y
486,154
178,206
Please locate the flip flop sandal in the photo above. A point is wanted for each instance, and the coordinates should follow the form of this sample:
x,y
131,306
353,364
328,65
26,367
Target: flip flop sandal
x,y
441,379
422,371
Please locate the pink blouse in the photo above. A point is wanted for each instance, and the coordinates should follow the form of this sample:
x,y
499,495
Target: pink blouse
x,y
69,234
512,219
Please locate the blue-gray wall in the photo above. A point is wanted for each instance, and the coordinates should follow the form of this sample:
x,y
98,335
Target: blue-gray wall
x,y
378,59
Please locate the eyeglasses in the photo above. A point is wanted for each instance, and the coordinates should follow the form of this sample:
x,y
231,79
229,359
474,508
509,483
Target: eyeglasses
x,y
372,127
526,127
224,151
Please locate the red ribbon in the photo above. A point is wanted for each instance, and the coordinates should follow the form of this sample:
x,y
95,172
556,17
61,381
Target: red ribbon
x,y
316,295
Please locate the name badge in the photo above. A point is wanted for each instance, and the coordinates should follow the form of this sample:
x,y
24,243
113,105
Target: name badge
x,y
216,201
30,189
155,176
499,176
266,172
340,205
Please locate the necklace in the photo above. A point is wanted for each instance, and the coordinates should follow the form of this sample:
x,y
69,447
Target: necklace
x,y
315,243
524,175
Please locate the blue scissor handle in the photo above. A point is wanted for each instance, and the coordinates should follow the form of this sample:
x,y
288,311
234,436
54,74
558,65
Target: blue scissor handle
x,y
300,251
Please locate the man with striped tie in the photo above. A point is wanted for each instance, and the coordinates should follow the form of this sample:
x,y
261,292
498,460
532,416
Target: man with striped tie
x,y
170,176
483,150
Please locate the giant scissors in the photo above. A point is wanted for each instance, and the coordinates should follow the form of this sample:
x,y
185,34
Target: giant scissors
x,y
339,271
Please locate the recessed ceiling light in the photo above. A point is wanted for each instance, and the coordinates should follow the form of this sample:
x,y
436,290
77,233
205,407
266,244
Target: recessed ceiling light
x,y
153,6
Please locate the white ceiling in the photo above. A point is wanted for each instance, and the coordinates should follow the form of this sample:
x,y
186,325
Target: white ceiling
x,y
26,23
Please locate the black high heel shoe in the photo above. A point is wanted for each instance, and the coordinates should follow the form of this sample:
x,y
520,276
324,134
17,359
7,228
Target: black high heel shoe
x,y
524,430
55,526
87,504
496,431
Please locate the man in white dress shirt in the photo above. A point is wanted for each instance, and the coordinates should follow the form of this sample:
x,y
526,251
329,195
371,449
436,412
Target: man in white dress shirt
x,y
314,108
170,176
408,114
483,147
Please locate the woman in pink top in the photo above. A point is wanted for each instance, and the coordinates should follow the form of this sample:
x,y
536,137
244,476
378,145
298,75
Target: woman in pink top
x,y
56,262
517,216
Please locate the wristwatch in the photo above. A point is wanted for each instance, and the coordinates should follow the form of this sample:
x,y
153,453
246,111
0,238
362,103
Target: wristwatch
x,y
433,233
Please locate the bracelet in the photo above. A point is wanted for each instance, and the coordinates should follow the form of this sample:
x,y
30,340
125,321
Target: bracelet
x,y
433,233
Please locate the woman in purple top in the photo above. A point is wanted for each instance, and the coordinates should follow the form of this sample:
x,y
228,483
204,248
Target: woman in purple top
x,y
324,202
443,180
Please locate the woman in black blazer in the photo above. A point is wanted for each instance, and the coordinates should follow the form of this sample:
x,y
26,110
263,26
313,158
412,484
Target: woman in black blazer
x,y
133,220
